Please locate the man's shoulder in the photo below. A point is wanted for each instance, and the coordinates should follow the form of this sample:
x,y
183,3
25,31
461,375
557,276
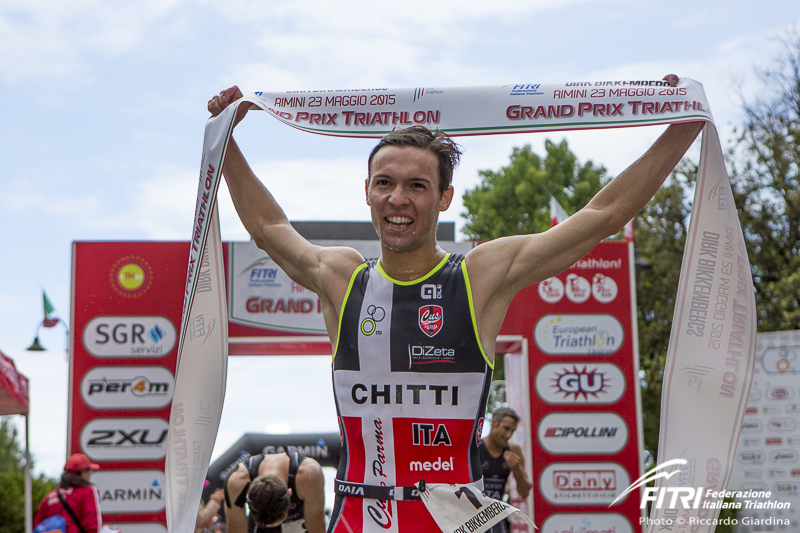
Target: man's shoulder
x,y
309,474
514,447
309,467
340,258
239,477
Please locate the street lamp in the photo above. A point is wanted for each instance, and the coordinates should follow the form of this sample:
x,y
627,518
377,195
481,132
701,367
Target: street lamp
x,y
36,346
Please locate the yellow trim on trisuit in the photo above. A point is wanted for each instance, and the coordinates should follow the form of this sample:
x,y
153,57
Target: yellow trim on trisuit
x,y
472,314
358,269
412,282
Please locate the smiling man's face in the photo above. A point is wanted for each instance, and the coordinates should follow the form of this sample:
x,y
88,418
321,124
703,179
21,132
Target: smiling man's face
x,y
403,195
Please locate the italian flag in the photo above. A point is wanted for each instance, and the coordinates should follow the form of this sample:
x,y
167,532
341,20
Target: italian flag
x,y
49,321
557,213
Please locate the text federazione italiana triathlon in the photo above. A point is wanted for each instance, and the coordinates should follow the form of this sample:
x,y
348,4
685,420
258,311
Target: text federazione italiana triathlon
x,y
742,499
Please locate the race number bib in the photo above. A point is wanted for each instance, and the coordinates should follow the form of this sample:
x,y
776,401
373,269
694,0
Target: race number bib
x,y
464,508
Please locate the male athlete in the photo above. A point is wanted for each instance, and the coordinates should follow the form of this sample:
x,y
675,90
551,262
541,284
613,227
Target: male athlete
x,y
500,457
285,492
414,332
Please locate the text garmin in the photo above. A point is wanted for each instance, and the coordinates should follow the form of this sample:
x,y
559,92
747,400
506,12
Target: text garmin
x,y
145,493
415,394
317,451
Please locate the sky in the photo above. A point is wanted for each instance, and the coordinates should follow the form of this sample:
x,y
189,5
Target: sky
x,y
105,104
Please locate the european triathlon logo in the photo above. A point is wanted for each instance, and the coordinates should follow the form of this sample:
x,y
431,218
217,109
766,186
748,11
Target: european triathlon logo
x,y
419,92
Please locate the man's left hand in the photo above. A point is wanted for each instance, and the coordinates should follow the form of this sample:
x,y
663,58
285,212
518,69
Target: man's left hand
x,y
672,79
512,460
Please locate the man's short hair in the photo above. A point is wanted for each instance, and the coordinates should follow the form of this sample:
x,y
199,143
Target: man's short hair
x,y
268,498
502,412
438,143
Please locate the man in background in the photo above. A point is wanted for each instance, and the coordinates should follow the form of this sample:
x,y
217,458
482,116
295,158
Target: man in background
x,y
500,457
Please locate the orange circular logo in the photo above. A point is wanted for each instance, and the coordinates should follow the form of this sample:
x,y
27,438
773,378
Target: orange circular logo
x,y
131,276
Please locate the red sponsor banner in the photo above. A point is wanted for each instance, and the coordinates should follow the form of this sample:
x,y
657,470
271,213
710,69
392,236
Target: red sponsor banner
x,y
585,412
126,311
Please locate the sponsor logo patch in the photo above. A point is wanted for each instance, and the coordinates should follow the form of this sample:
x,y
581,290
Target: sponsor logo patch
x,y
130,491
127,387
370,324
125,439
551,290
431,319
583,483
579,334
131,276
599,383
129,336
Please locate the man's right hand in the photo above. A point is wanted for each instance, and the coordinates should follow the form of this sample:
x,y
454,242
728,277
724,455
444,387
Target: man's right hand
x,y
226,98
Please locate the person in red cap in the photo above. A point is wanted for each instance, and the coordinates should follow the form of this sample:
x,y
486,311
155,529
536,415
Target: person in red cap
x,y
75,492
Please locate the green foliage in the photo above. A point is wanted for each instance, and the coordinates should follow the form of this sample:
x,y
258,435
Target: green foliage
x,y
12,499
513,201
12,456
12,481
766,174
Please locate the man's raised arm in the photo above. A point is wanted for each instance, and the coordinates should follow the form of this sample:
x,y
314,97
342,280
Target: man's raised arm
x,y
504,266
316,268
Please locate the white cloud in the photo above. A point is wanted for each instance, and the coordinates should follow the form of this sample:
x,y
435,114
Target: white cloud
x,y
32,196
57,39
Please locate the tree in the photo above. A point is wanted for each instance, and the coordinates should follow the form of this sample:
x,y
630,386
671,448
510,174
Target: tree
x,y
766,174
12,456
513,201
12,481
12,499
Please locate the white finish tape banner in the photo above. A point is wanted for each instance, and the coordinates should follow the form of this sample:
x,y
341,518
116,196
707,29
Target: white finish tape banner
x,y
202,368
710,361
